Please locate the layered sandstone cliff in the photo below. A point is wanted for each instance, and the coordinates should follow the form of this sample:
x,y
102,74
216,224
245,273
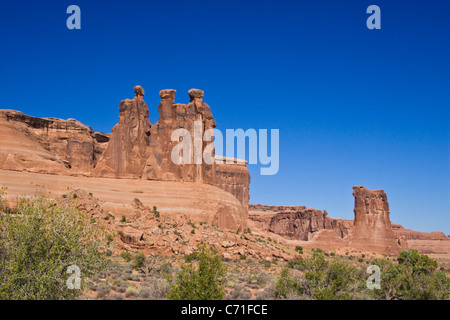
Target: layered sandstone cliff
x,y
304,224
48,145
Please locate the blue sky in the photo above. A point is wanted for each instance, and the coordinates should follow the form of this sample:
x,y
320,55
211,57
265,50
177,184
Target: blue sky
x,y
353,106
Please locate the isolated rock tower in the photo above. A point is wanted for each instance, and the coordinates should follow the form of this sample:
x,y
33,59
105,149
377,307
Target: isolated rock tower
x,y
372,227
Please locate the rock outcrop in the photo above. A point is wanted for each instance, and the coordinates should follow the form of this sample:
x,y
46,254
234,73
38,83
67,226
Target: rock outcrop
x,y
266,208
178,122
135,149
304,224
128,148
408,234
48,145
372,229
233,178
138,149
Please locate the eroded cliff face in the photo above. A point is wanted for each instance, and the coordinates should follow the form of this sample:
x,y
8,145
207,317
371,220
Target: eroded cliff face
x,y
372,226
305,223
48,145
233,178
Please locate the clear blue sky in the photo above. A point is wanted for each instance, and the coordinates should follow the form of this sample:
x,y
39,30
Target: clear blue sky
x,y
353,106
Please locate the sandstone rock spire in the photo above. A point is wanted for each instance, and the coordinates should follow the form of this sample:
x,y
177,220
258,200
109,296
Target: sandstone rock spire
x,y
372,227
128,148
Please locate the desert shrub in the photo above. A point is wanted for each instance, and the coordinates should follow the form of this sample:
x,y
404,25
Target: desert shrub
x,y
126,256
38,244
242,257
123,220
159,288
266,264
415,277
114,296
258,278
203,281
330,280
138,260
266,294
299,249
121,287
287,286
144,293
156,212
103,291
191,257
322,279
131,292
298,264
149,264
166,267
3,202
239,293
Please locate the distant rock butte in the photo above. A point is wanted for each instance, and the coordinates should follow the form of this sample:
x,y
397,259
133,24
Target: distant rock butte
x,y
303,224
371,229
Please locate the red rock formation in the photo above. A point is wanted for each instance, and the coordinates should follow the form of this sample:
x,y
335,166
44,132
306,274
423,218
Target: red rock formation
x,y
128,148
262,207
234,178
195,118
134,150
48,145
408,234
372,227
303,224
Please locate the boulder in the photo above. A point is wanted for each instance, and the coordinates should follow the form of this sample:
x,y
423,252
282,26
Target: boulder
x,y
131,235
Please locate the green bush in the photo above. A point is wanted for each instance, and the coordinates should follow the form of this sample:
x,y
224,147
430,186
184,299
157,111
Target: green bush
x,y
3,202
299,249
298,264
166,267
156,212
191,257
287,286
203,281
126,256
138,260
415,277
38,244
321,280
